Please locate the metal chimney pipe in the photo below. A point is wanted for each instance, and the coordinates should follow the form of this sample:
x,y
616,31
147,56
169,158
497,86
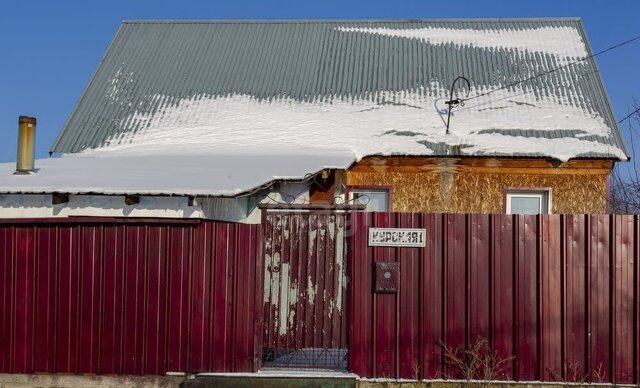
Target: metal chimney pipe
x,y
25,162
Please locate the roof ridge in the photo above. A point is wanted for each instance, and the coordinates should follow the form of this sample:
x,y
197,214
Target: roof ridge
x,y
311,21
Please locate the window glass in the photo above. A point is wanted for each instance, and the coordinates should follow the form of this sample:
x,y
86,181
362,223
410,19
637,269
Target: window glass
x,y
525,205
528,202
375,200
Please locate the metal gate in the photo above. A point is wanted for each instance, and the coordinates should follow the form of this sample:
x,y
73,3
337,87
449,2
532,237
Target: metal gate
x,y
305,283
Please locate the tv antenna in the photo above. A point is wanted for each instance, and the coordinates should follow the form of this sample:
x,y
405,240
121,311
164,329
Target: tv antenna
x,y
457,101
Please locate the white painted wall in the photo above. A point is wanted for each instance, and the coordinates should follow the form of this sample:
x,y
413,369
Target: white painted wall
x,y
36,206
25,206
240,209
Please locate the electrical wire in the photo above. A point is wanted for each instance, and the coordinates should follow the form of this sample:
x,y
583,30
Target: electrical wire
x,y
293,197
629,115
288,199
512,96
555,69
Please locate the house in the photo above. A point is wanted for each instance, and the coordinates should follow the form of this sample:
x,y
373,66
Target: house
x,y
122,243
209,119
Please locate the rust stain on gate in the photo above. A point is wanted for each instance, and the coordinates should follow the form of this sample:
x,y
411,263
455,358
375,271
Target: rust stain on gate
x,y
304,290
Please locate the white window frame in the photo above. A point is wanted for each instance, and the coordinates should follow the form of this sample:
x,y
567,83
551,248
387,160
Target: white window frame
x,y
365,190
541,193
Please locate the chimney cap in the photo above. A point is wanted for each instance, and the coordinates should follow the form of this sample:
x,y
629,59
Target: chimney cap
x,y
27,120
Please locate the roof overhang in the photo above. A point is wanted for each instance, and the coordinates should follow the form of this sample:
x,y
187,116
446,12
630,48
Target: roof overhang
x,y
168,174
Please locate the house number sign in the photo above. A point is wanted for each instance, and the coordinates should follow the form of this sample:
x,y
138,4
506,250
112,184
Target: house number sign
x,y
397,237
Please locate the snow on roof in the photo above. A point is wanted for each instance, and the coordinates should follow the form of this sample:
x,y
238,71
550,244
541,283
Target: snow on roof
x,y
338,90
539,39
395,124
226,146
176,172
150,72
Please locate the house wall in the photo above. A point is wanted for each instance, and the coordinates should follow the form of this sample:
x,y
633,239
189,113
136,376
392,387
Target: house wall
x,y
224,209
40,205
243,209
454,185
478,185
283,192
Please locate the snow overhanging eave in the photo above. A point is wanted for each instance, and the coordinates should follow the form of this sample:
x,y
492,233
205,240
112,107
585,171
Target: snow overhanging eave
x,y
611,157
161,192
167,173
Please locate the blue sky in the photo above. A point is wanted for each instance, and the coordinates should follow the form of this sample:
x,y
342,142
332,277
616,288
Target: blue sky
x,y
50,48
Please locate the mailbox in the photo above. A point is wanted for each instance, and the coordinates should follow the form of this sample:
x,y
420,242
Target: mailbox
x,y
387,277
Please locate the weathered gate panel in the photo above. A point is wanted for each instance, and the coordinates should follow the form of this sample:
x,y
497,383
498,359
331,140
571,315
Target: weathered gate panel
x,y
304,290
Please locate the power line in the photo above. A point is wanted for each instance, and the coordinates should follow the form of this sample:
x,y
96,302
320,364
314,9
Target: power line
x,y
556,69
512,96
629,115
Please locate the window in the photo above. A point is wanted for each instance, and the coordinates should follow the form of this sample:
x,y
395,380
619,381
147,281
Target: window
x,y
524,201
376,200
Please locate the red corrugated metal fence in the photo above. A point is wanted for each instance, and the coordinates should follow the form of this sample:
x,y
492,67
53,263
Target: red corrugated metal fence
x,y
558,293
557,296
127,297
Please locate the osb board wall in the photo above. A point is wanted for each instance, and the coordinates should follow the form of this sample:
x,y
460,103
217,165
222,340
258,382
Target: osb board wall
x,y
468,192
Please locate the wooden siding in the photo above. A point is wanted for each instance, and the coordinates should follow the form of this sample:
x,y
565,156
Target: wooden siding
x,y
473,185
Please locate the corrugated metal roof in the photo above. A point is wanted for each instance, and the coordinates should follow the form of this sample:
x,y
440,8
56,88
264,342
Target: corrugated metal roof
x,y
152,65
